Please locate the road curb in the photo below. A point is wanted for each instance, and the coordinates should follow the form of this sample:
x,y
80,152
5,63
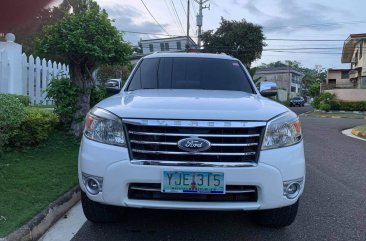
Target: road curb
x,y
332,117
39,224
358,133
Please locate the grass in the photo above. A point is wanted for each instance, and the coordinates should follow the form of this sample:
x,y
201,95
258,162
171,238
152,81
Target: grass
x,y
337,115
31,179
361,128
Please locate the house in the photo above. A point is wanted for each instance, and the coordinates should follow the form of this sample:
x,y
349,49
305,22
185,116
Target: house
x,y
338,78
286,78
349,84
173,44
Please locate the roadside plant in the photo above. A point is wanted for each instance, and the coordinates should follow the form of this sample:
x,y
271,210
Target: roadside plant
x,y
35,128
325,99
12,114
64,94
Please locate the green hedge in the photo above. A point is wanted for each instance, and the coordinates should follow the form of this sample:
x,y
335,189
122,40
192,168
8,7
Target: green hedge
x,y
35,128
22,98
12,114
323,101
348,105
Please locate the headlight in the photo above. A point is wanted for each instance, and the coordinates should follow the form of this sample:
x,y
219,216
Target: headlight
x,y
284,130
104,127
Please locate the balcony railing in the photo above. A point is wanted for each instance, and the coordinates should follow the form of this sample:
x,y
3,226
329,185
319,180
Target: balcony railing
x,y
331,86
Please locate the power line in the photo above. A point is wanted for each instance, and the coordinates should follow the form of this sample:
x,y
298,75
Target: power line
x,y
177,15
185,12
305,40
268,39
194,8
154,17
172,15
314,25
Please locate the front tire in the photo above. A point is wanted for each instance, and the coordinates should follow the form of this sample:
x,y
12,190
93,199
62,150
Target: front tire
x,y
277,218
100,213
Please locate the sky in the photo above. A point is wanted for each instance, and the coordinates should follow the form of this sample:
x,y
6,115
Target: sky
x,y
281,19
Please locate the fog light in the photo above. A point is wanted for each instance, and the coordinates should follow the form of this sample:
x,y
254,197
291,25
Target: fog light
x,y
93,184
291,189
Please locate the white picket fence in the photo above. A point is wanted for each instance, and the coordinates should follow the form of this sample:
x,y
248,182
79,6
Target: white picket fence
x,y
37,74
4,69
24,75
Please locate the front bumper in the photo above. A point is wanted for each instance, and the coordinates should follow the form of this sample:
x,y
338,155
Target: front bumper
x,y
112,163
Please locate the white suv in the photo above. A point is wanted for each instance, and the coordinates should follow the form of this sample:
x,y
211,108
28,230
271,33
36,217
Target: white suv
x,y
191,131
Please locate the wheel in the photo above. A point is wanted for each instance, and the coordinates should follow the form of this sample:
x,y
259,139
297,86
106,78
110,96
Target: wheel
x,y
100,213
277,218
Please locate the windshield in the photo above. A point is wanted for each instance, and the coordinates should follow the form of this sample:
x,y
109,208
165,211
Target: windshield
x,y
297,98
190,73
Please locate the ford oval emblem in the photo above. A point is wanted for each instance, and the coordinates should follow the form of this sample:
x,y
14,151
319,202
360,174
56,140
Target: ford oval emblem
x,y
194,144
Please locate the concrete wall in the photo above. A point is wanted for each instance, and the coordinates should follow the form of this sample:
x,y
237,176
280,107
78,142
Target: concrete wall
x,y
349,94
282,95
281,79
361,62
337,75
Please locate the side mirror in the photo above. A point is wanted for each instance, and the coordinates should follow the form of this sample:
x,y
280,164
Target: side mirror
x,y
268,89
113,86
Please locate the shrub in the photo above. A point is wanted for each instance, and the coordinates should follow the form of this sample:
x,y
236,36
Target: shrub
x,y
325,98
23,99
348,105
35,128
324,106
97,94
64,93
12,114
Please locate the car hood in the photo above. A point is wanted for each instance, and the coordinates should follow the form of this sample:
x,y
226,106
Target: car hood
x,y
192,105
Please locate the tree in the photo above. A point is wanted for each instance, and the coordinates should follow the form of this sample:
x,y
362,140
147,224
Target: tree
x,y
83,39
241,39
314,89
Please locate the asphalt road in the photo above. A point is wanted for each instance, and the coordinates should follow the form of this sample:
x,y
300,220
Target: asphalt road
x,y
333,206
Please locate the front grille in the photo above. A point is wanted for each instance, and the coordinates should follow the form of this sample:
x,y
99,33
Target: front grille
x,y
228,144
151,191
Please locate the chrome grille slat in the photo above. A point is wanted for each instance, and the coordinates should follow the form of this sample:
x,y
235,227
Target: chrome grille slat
x,y
196,153
189,135
156,141
175,143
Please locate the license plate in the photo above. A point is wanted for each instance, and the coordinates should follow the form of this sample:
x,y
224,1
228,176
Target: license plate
x,y
193,182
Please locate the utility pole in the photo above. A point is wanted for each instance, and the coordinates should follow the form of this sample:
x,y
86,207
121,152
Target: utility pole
x,y
200,19
188,9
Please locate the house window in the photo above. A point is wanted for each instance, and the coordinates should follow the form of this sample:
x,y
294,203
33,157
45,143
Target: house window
x,y
162,46
332,81
293,89
179,46
166,46
345,75
151,47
